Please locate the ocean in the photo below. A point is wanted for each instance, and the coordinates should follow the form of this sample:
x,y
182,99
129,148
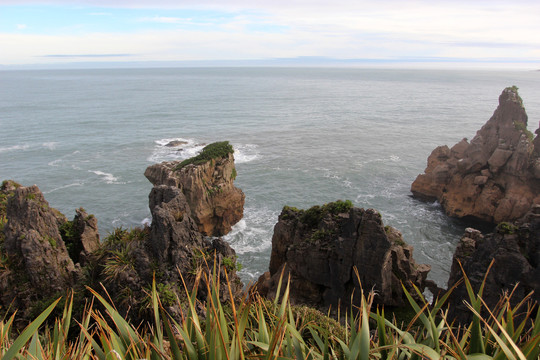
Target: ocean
x,y
302,137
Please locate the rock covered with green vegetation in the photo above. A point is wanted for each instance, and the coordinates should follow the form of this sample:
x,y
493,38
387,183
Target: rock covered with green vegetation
x,y
43,256
206,182
495,177
321,247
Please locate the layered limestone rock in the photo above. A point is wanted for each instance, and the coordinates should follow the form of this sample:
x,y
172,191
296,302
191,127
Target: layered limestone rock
x,y
515,252
35,260
495,177
319,249
213,202
43,255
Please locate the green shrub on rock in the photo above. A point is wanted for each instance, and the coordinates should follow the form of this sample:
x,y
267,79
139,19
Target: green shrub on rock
x,y
212,151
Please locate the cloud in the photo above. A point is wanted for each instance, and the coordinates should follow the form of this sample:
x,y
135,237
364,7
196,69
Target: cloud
x,y
166,20
21,26
257,29
85,55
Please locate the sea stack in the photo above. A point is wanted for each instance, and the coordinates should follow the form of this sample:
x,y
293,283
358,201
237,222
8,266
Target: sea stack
x,y
207,183
495,177
320,248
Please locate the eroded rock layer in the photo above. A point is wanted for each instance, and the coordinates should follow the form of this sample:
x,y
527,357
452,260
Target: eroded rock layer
x,y
514,250
44,256
320,248
495,177
214,203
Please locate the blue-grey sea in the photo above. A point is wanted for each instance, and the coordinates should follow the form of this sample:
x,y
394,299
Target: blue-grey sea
x,y
302,137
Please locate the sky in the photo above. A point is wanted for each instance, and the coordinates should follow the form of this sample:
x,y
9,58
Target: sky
x,y
437,31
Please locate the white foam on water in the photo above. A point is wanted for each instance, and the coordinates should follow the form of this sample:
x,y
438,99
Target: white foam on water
x,y
253,234
107,177
162,152
245,153
49,145
147,221
55,162
64,187
13,148
395,158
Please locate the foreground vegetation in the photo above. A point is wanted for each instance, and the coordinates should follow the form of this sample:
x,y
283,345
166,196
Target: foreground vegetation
x,y
261,329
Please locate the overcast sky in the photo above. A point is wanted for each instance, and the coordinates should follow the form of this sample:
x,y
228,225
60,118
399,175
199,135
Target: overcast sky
x,y
56,31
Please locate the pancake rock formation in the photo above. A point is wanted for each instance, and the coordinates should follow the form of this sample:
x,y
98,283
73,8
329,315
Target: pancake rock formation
x,y
35,258
514,249
207,184
43,255
321,247
495,177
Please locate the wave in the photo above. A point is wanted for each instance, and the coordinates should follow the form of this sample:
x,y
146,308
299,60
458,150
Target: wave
x,y
13,148
170,149
253,234
55,162
109,178
64,187
245,153
147,221
49,145
46,145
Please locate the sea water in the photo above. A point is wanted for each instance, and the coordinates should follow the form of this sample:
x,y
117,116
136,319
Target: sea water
x,y
302,137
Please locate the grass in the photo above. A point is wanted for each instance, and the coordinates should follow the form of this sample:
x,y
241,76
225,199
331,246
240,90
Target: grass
x,y
256,328
212,151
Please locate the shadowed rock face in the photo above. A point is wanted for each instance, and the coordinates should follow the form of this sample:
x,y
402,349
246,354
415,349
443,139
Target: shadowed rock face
x,y
213,202
39,263
515,252
320,249
495,177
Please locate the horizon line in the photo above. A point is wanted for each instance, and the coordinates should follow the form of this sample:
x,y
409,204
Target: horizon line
x,y
308,61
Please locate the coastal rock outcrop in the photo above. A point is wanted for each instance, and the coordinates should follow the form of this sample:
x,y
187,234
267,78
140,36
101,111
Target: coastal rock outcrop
x,y
43,255
207,183
35,263
319,249
495,177
515,252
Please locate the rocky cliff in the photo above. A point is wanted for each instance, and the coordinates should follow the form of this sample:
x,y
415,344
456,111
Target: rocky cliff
x,y
43,255
495,177
35,261
515,252
213,202
320,247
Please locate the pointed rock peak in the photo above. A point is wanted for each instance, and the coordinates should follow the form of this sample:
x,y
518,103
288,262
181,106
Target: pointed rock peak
x,y
510,94
495,177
